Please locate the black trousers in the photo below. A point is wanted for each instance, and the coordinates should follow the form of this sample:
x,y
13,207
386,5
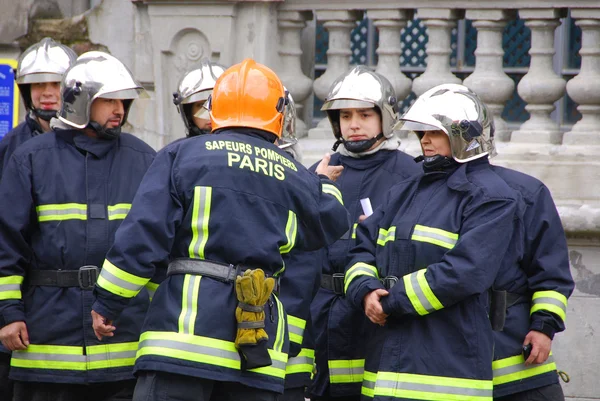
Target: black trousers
x,y
329,398
552,392
162,386
109,391
293,394
6,385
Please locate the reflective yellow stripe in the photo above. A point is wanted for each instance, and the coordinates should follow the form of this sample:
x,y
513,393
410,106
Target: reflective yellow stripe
x,y
62,357
359,269
431,388
10,287
419,293
151,287
200,218
368,385
280,336
346,371
333,191
291,230
205,350
296,328
551,301
62,211
386,235
189,304
513,369
435,236
354,227
304,362
119,281
118,211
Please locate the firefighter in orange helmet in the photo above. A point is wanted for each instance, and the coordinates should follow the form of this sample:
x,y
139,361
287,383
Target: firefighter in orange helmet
x,y
221,211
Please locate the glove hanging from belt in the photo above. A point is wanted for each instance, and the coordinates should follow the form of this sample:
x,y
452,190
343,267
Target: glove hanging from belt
x,y
253,291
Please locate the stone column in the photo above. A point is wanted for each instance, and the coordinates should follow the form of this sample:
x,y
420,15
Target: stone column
x,y
439,24
339,24
390,23
585,87
488,79
541,86
290,25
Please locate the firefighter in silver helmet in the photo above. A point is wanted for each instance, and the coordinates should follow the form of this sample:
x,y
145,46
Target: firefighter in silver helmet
x,y
193,91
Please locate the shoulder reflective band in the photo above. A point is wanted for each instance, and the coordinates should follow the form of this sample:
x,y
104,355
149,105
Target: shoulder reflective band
x,y
359,269
63,211
346,371
419,293
210,351
151,287
303,363
513,369
189,304
10,287
291,228
550,301
120,282
435,236
200,217
432,388
333,191
118,211
386,235
296,328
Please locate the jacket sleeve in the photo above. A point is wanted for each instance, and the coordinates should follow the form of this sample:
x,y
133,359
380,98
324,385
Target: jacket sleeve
x,y
361,275
17,215
546,264
469,268
142,242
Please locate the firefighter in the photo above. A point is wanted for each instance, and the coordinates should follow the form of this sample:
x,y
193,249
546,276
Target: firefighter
x,y
220,210
361,107
193,90
425,260
62,196
39,71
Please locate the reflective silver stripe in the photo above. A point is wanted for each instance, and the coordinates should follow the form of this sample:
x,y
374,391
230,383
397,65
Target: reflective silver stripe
x,y
435,236
45,214
299,331
191,304
38,356
10,287
300,360
520,367
419,293
111,278
353,371
111,356
368,384
333,191
119,211
431,388
200,218
551,301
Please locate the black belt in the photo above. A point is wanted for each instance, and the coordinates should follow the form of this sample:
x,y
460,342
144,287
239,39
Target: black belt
x,y
84,278
219,271
333,282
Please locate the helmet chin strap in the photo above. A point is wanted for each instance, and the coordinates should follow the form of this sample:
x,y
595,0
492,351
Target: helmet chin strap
x,y
357,146
436,162
103,132
195,131
45,115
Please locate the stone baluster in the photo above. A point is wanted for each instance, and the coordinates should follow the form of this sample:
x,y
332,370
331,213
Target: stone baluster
x,y
439,23
585,87
488,79
390,23
541,86
339,24
290,25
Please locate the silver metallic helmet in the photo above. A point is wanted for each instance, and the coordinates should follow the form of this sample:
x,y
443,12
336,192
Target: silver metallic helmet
x,y
361,88
196,85
288,135
96,75
458,111
45,61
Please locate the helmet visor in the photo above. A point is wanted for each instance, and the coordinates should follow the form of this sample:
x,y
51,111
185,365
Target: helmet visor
x,y
133,93
339,104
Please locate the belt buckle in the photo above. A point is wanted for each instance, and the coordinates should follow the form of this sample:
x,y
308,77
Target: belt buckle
x,y
338,283
87,277
389,282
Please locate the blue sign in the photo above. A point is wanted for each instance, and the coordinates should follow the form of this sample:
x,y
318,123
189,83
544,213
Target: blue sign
x,y
9,96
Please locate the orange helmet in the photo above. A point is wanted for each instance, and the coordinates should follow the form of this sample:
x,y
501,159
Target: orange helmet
x,y
250,95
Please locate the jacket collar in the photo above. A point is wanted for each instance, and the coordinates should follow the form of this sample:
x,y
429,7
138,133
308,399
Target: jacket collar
x,y
95,146
459,181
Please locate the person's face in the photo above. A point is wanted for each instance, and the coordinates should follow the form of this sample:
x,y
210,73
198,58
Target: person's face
x,y
360,124
108,113
435,143
201,123
45,95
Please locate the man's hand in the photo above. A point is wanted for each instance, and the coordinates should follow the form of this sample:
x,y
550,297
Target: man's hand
x,y
332,172
373,308
541,346
362,218
14,336
102,326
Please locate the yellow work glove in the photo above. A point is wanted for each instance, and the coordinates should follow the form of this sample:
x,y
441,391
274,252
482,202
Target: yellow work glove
x,y
253,291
